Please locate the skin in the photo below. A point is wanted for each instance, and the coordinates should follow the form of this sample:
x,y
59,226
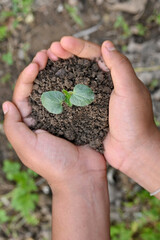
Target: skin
x,y
133,142
132,145
77,175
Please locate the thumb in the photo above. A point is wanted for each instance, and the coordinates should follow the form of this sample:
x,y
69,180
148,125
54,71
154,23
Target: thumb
x,y
124,78
16,131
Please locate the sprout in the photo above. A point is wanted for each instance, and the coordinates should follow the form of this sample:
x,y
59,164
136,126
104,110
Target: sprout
x,y
81,96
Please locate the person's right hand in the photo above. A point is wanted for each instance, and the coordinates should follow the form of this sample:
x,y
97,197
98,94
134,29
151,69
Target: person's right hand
x,y
133,140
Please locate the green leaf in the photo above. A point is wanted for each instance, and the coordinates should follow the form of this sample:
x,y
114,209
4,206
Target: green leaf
x,y
7,58
3,216
141,29
32,220
6,78
31,173
157,122
52,101
3,33
11,169
82,95
73,12
23,202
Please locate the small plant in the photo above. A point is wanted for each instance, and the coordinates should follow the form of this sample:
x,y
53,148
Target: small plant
x,y
6,78
5,15
23,6
3,32
158,19
141,29
3,216
73,12
154,84
81,95
142,227
23,197
7,58
121,23
157,122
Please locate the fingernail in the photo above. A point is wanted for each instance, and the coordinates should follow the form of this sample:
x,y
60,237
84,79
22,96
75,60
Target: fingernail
x,y
110,47
5,108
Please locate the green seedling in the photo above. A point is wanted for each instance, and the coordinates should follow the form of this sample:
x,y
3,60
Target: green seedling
x,y
73,12
6,78
23,197
157,122
81,96
23,6
158,19
141,29
121,23
143,224
5,15
3,32
154,84
7,58
3,216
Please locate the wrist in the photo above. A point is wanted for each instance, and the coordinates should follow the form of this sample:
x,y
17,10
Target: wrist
x,y
78,184
82,209
144,164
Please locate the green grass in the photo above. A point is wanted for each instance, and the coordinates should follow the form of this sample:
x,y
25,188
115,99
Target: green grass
x,y
23,6
73,12
3,216
157,122
142,30
3,32
6,78
154,84
23,198
20,9
145,227
122,24
7,58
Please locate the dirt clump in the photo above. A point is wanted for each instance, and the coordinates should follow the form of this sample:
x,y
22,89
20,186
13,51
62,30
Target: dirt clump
x,y
80,125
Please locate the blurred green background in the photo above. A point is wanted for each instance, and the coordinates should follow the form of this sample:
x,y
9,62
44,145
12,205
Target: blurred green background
x,y
28,26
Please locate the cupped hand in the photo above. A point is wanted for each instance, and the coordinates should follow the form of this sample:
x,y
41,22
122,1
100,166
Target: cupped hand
x,y
57,160
132,128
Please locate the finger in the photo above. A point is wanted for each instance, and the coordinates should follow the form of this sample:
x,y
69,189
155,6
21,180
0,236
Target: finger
x,y
80,48
41,59
23,88
123,75
51,55
59,51
19,135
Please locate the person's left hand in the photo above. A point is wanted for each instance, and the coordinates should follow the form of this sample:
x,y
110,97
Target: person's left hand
x,y
60,162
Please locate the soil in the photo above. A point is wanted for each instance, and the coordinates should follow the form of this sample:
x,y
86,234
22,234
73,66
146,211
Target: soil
x,y
80,125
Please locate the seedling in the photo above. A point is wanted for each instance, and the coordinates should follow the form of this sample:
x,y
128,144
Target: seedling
x,y
141,29
6,78
73,12
122,24
3,33
81,96
7,58
23,197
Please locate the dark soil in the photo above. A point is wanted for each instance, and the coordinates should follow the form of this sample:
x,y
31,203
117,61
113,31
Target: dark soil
x,y
80,125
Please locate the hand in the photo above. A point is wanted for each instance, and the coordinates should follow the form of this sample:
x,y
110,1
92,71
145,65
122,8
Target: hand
x,y
133,142
60,162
